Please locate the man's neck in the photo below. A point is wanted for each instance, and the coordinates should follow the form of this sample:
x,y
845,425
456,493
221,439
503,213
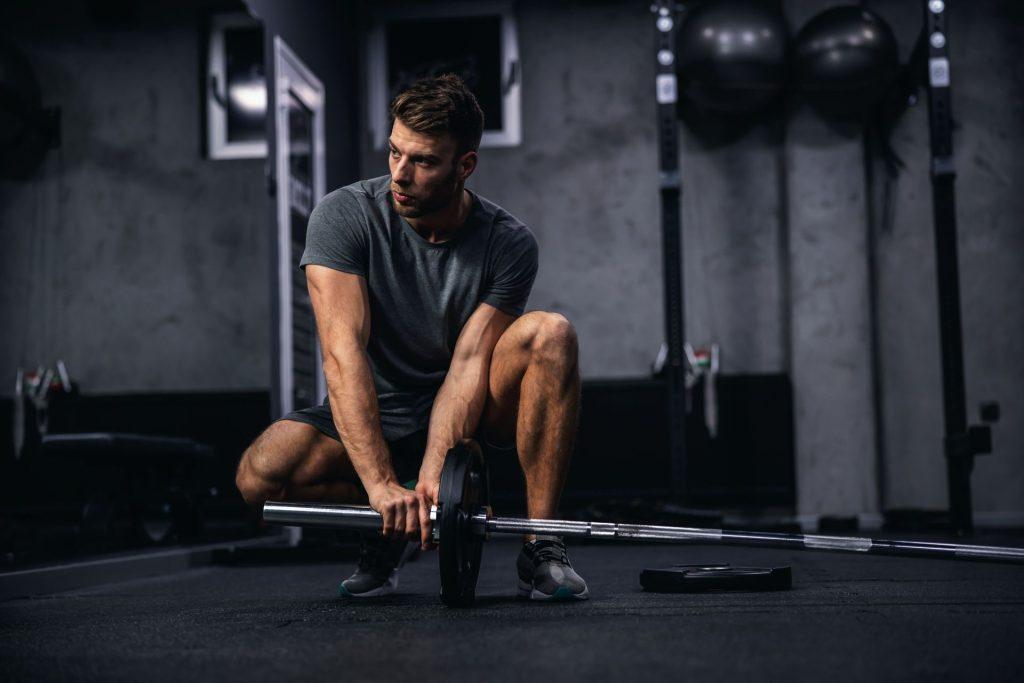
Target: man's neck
x,y
442,225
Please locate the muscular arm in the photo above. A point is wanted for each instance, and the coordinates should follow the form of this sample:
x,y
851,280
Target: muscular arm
x,y
460,401
342,309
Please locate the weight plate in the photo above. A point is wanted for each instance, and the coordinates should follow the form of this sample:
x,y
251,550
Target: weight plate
x,y
690,578
463,490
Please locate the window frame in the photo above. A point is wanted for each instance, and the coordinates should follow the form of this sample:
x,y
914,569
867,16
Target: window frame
x,y
217,145
510,134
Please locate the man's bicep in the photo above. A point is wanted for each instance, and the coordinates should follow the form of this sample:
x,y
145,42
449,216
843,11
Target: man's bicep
x,y
341,305
481,332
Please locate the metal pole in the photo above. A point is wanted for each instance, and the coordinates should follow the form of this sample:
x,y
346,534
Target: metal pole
x,y
360,517
959,450
643,532
667,16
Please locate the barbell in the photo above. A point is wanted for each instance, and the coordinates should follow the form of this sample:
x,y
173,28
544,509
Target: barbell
x,y
462,519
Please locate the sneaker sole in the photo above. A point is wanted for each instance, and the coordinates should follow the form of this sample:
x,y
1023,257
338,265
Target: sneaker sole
x,y
527,591
411,552
385,588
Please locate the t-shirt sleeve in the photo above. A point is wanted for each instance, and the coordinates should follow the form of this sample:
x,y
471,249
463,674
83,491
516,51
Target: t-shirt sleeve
x,y
336,235
513,273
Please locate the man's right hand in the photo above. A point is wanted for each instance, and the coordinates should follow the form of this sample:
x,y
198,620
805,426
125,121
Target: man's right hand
x,y
406,513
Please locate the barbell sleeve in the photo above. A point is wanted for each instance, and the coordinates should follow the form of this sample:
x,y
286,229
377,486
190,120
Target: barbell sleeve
x,y
323,514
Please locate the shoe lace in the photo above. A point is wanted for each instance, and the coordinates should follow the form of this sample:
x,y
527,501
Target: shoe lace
x,y
550,551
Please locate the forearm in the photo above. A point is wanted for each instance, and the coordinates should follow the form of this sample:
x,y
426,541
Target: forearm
x,y
356,414
456,413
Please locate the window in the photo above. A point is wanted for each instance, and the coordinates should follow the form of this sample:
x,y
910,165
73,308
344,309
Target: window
x,y
477,41
236,88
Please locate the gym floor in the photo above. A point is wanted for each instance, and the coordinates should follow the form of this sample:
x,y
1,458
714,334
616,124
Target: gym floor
x,y
847,617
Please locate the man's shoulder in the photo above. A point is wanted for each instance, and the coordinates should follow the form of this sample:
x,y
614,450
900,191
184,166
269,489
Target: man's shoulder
x,y
506,225
361,193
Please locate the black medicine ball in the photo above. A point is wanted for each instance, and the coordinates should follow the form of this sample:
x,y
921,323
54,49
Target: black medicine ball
x,y
731,56
844,60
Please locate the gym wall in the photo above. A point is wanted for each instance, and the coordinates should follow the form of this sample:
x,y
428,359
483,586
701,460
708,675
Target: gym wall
x,y
140,263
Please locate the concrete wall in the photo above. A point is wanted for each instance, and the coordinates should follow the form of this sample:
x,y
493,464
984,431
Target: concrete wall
x,y
142,264
137,261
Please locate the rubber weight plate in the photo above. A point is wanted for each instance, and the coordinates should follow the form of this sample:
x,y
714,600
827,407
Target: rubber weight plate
x,y
463,490
693,578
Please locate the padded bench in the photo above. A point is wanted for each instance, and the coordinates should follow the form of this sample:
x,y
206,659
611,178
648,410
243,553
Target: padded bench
x,y
153,489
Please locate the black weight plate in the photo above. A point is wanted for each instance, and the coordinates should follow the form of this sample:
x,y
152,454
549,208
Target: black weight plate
x,y
717,577
463,490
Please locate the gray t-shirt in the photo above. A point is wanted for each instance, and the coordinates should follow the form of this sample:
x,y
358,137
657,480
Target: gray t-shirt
x,y
421,294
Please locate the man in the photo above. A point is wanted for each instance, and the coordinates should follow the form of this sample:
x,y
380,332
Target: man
x,y
419,287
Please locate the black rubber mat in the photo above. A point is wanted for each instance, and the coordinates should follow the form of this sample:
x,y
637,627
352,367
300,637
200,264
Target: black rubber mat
x,y
846,618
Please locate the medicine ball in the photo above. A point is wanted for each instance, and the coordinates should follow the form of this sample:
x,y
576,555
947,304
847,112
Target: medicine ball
x,y
844,61
731,56
23,135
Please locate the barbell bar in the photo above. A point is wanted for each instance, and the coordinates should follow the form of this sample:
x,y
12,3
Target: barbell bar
x,y
361,517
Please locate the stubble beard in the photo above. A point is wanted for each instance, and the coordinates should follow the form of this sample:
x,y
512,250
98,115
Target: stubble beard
x,y
435,201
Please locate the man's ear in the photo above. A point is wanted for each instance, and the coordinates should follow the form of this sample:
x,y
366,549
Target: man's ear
x,y
466,164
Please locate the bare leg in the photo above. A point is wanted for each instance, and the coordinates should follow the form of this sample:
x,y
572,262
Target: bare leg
x,y
535,394
294,461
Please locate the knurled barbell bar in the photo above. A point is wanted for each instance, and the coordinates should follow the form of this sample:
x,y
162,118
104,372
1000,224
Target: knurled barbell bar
x,y
462,520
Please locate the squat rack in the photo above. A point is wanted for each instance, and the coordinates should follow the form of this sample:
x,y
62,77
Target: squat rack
x,y
961,441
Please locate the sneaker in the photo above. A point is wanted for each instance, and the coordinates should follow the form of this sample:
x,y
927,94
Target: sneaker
x,y
545,573
379,561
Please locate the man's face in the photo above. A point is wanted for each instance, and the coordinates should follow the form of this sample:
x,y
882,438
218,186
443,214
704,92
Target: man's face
x,y
424,171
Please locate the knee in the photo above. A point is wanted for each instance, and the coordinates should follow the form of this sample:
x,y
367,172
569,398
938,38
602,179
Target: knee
x,y
254,481
554,341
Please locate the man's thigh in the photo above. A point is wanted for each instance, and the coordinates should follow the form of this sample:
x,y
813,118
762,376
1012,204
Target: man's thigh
x,y
324,458
508,365
298,453
548,336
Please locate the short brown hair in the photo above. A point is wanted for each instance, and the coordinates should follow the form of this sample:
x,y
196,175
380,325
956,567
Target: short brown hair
x,y
441,105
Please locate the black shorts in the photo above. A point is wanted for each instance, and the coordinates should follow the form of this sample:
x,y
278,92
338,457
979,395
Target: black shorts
x,y
406,452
